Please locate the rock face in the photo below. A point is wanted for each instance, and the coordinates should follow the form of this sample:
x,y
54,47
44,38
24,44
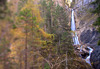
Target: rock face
x,y
82,2
89,36
95,58
60,2
86,31
84,25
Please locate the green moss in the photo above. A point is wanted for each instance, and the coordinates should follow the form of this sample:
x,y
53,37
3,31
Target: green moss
x,y
99,42
46,66
14,26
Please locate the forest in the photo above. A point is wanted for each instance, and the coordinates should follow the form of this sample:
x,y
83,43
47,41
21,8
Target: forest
x,y
36,34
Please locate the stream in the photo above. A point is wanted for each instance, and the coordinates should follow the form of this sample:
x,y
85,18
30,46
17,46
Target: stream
x,y
76,40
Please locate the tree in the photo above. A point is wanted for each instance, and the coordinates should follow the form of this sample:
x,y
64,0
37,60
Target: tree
x,y
60,45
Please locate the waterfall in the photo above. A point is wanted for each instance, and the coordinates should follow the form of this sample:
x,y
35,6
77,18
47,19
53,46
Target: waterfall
x,y
75,38
73,21
88,58
73,28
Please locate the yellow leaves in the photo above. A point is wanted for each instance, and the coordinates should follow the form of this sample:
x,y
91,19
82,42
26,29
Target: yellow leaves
x,y
18,33
13,54
37,26
46,35
1,66
35,10
44,43
38,41
37,14
16,49
31,52
18,44
40,59
68,2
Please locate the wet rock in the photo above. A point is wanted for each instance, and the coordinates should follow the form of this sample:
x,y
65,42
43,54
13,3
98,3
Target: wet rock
x,y
84,55
86,51
95,58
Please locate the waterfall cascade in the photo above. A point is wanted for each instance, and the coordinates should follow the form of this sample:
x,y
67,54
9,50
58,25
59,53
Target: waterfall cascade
x,y
73,28
88,58
75,37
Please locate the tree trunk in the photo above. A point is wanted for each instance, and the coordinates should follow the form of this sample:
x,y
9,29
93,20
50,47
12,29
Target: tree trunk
x,y
59,44
4,63
26,48
51,19
20,60
82,2
66,61
32,40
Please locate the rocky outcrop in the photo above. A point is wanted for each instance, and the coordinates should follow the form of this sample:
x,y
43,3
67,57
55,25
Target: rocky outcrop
x,y
84,25
87,33
95,58
89,36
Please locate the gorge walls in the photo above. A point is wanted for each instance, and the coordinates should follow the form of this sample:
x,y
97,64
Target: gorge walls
x,y
87,32
84,23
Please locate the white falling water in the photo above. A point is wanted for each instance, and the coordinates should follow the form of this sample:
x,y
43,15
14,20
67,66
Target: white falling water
x,y
75,38
88,58
73,22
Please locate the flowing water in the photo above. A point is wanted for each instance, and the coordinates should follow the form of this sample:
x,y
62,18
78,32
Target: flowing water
x,y
88,58
73,28
75,37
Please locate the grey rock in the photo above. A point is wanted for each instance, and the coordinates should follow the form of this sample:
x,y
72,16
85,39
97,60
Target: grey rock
x,y
89,36
95,58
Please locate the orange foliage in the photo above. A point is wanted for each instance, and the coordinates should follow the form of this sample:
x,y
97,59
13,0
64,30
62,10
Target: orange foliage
x,y
35,10
18,33
46,35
